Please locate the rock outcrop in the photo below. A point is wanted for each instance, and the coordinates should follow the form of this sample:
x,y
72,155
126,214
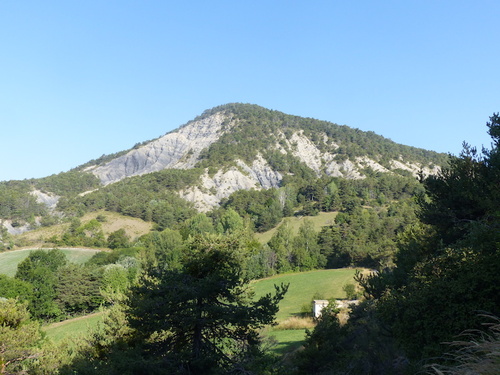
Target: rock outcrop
x,y
221,185
179,149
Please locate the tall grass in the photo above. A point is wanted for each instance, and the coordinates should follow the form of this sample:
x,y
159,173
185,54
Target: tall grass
x,y
477,352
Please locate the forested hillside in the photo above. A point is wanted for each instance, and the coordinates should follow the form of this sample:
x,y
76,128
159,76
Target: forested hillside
x,y
227,149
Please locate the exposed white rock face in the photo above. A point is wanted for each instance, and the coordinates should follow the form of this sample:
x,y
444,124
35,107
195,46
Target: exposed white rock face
x,y
50,200
17,229
306,151
365,162
262,173
213,189
345,169
179,149
415,168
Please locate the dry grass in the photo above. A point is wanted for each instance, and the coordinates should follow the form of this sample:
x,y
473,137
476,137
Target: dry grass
x,y
295,322
343,316
477,353
133,227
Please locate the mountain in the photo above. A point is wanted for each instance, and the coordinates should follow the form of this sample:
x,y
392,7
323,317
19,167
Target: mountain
x,y
224,150
250,147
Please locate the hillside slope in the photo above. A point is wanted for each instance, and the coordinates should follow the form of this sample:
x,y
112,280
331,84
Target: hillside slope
x,y
244,146
226,149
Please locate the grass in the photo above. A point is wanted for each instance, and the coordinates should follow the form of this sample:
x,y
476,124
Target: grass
x,y
304,286
284,341
10,259
72,328
289,334
284,338
295,322
134,227
319,221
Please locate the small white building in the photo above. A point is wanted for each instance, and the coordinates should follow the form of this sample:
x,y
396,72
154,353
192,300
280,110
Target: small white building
x,y
318,305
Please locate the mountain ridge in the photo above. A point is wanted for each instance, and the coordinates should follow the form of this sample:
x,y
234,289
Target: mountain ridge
x,y
195,143
228,148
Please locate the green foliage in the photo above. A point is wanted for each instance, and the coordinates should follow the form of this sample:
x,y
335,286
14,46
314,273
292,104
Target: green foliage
x,y
19,337
441,300
14,288
16,202
362,346
77,289
474,352
230,222
10,260
117,239
263,207
323,347
350,291
89,234
196,225
102,258
67,183
39,269
150,197
255,128
167,247
445,273
366,236
203,312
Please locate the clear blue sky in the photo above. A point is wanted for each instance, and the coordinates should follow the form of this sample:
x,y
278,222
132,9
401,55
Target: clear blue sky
x,y
84,78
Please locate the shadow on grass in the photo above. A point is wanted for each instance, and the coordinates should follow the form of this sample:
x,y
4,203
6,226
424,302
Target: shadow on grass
x,y
286,341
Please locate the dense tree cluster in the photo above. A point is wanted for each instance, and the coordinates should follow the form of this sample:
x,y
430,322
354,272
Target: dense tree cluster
x,y
54,289
151,198
17,204
445,278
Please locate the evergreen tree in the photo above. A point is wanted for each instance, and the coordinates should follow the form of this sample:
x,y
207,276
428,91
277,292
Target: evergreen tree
x,y
446,274
201,319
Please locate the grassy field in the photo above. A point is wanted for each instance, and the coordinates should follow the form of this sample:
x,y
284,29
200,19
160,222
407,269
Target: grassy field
x,y
73,328
303,288
319,221
285,341
10,259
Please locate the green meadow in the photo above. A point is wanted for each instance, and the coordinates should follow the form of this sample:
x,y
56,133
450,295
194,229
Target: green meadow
x,y
303,288
319,221
73,328
10,259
